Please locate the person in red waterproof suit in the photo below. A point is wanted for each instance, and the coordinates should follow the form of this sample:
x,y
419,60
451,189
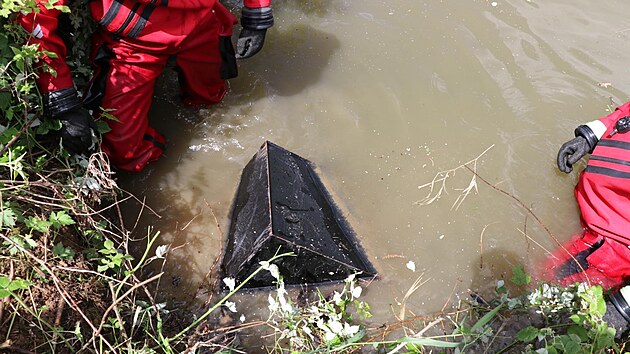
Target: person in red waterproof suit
x,y
131,48
602,254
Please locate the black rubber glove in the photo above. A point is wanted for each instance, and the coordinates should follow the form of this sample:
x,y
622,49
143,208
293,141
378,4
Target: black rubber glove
x,y
255,22
77,126
572,151
250,42
77,130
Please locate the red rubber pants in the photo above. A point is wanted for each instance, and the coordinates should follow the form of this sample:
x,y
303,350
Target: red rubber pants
x,y
129,71
603,261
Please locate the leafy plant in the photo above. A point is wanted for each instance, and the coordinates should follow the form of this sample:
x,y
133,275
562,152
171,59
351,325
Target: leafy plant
x,y
112,258
326,323
585,333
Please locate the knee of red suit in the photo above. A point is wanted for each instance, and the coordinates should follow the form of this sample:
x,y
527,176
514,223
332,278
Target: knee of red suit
x,y
134,157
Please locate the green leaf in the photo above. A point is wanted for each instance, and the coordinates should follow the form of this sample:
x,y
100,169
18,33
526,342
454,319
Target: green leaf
x,y
568,344
60,219
4,282
527,334
429,342
5,100
77,331
37,224
519,277
578,331
30,242
7,218
8,286
486,318
62,252
102,127
19,284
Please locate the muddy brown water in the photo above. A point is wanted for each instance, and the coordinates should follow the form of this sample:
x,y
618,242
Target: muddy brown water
x,y
382,96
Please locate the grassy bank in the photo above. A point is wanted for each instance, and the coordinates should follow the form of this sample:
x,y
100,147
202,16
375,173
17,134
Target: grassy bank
x,y
69,283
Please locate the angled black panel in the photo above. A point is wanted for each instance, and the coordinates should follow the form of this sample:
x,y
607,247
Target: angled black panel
x,y
281,205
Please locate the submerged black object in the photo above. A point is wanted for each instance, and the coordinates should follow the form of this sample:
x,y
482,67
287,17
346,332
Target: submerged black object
x,y
281,205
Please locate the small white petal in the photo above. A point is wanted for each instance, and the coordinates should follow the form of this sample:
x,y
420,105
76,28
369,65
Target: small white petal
x,y
337,298
230,283
242,318
411,266
349,330
356,292
275,272
273,304
230,305
329,336
161,251
335,326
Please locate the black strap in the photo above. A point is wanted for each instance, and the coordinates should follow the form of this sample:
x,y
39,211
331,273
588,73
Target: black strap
x,y
614,144
607,172
111,13
142,21
130,16
159,145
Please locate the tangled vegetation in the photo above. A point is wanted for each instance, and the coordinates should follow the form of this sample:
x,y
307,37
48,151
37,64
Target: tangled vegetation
x,y
69,283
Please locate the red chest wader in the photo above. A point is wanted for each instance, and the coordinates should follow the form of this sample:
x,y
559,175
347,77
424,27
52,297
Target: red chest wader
x,y
603,195
131,50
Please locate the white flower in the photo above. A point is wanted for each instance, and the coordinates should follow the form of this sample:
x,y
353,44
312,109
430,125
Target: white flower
x,y
161,251
230,305
337,298
335,326
273,304
582,288
230,282
411,266
329,336
284,304
350,278
242,318
275,272
272,268
356,292
349,331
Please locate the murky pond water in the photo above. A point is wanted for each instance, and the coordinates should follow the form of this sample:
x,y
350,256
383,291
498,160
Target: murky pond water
x,y
382,96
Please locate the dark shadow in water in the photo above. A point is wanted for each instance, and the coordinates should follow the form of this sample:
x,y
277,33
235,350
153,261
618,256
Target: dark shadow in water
x,y
292,60
173,212
492,266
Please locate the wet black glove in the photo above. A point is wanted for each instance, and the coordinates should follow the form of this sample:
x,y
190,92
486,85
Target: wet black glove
x,y
77,130
570,152
250,42
255,22
77,126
